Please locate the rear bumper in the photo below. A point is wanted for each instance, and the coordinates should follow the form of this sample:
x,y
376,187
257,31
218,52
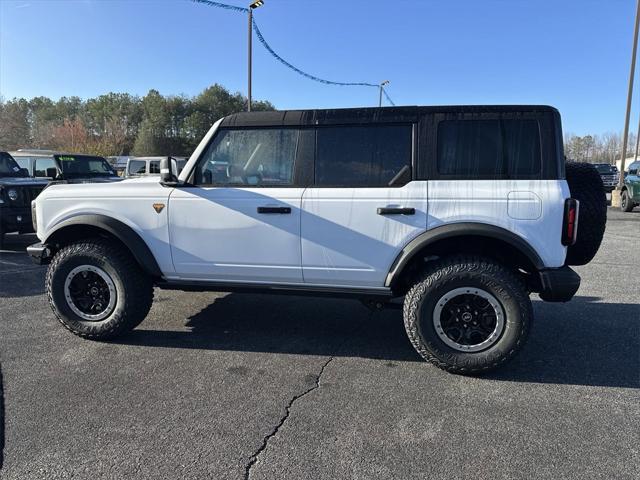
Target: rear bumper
x,y
558,284
40,253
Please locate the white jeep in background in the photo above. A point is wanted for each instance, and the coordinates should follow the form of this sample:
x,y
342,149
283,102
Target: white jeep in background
x,y
463,211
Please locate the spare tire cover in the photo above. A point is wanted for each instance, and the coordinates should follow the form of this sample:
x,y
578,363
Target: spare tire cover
x,y
586,186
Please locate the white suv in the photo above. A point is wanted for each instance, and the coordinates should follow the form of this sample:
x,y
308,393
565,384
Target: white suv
x,y
463,211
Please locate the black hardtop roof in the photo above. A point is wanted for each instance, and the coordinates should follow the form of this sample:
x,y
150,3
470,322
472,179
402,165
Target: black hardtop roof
x,y
365,115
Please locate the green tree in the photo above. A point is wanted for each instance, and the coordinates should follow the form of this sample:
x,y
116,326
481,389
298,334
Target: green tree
x,y
15,131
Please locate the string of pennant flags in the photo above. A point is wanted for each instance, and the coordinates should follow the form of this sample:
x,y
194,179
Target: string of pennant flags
x,y
267,47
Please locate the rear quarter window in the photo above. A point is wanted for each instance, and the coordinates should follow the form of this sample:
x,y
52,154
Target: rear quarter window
x,y
489,149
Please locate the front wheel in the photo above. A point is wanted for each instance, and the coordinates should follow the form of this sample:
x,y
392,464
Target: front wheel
x,y
626,204
468,315
97,290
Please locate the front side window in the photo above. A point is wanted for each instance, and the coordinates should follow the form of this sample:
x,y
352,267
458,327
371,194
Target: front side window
x,y
251,157
9,167
362,156
154,166
491,149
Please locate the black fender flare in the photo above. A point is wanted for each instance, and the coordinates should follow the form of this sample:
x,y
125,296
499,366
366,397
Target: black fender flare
x,y
455,230
123,232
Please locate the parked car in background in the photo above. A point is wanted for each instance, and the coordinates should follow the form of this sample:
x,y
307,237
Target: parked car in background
x,y
138,166
35,162
609,174
630,194
74,168
119,163
69,167
17,190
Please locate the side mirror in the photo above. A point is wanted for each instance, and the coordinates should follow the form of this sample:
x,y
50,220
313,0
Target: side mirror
x,y
166,172
52,172
24,172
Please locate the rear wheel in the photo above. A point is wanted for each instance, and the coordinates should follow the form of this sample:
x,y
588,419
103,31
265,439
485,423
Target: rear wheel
x,y
468,315
626,204
97,290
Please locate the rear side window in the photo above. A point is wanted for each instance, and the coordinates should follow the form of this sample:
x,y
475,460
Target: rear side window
x,y
362,156
490,149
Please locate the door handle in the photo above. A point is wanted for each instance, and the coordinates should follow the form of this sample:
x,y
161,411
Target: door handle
x,y
396,211
281,210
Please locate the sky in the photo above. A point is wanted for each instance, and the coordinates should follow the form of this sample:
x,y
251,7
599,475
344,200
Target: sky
x,y
572,54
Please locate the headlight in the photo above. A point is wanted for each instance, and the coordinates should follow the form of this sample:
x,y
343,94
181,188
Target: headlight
x,y
12,194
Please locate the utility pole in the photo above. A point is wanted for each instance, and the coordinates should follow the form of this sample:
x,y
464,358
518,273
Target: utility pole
x,y
382,84
615,195
635,158
252,6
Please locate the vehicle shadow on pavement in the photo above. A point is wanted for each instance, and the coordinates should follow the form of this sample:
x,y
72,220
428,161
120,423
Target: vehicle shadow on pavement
x,y
1,420
19,277
583,342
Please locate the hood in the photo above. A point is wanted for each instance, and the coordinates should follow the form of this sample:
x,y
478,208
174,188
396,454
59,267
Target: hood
x,y
22,181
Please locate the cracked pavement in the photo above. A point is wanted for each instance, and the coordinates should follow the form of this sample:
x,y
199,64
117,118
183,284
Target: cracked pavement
x,y
253,386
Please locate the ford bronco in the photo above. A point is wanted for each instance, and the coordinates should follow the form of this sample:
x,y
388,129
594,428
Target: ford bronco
x,y
461,211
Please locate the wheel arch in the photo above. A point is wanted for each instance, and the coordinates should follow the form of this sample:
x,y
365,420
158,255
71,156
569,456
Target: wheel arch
x,y
462,238
90,225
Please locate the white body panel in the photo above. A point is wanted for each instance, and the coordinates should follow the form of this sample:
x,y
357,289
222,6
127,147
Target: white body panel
x,y
532,209
129,201
217,234
346,243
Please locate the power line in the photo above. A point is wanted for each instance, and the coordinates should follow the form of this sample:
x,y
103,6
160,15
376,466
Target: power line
x,y
266,45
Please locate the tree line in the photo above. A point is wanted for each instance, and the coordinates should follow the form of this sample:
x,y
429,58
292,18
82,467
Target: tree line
x,y
118,123
124,124
606,148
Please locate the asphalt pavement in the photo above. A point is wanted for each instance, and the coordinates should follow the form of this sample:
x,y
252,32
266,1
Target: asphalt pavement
x,y
240,386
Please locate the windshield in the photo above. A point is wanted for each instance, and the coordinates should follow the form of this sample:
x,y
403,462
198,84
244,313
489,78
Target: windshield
x,y
84,165
605,168
9,167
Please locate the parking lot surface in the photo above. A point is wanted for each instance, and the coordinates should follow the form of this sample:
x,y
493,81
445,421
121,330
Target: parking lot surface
x,y
273,387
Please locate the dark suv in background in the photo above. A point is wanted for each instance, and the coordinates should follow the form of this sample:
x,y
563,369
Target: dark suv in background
x,y
609,174
17,190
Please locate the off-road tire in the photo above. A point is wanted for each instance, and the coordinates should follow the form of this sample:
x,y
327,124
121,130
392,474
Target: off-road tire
x,y
472,271
626,203
586,186
134,288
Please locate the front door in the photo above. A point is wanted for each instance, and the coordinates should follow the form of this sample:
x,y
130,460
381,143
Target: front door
x,y
241,220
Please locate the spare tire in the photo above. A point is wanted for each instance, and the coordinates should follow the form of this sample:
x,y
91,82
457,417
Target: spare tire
x,y
586,186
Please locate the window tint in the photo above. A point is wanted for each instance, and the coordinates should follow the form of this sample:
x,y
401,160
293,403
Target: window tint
x,y
253,157
489,148
633,169
367,156
137,167
41,165
154,166
23,162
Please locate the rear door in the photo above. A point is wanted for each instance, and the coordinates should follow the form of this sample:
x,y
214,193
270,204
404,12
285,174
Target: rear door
x,y
363,208
240,222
